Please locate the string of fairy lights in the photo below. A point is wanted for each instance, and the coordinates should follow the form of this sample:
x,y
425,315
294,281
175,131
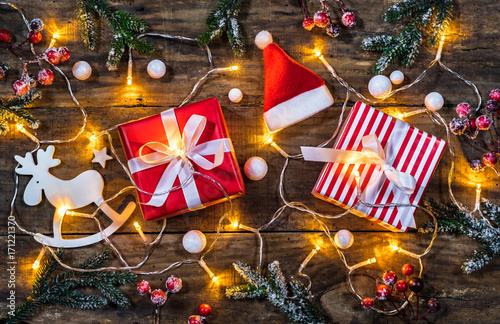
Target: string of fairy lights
x,y
318,217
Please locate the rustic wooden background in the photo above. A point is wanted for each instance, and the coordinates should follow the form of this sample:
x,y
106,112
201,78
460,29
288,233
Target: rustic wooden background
x,y
471,48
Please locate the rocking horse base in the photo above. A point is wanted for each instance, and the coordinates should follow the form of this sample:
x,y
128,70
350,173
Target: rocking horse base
x,y
59,241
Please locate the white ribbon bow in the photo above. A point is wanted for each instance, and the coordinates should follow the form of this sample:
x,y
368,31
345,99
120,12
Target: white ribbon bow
x,y
182,149
372,153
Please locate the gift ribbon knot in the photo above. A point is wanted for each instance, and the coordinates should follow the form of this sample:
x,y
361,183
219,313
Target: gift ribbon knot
x,y
372,153
181,153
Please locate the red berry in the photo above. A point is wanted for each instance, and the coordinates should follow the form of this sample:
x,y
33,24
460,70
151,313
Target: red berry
x,y
45,77
194,319
308,23
471,125
490,159
401,286
53,56
416,284
349,19
333,30
35,37
173,284
383,292
463,109
495,95
321,19
433,305
408,269
476,166
143,288
4,36
491,106
65,53
158,297
457,126
483,122
20,87
390,278
204,310
367,303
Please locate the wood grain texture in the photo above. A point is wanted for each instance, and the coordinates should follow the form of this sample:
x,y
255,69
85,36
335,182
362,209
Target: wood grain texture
x,y
470,49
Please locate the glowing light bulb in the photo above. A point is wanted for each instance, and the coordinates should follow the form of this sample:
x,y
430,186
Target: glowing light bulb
x,y
92,138
141,233
362,264
276,147
36,264
235,224
25,132
234,68
308,258
53,40
208,271
129,80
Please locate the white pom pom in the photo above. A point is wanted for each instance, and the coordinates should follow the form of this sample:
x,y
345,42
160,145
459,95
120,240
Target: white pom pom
x,y
263,39
379,86
194,241
344,239
397,77
255,168
82,70
434,101
156,69
235,95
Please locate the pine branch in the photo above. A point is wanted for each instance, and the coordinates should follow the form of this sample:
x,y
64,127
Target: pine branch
x,y
61,289
223,18
124,25
429,16
301,309
13,110
451,220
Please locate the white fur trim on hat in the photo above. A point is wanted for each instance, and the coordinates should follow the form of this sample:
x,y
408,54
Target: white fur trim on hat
x,y
263,39
298,108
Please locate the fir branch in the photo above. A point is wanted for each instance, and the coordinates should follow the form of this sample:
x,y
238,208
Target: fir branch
x,y
451,220
13,110
61,289
301,309
223,18
430,16
124,25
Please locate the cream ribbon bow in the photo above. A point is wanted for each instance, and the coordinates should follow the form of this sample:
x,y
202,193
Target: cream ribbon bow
x,y
372,153
182,151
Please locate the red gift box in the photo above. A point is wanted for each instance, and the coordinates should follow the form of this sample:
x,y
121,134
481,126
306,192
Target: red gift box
x,y
404,157
163,151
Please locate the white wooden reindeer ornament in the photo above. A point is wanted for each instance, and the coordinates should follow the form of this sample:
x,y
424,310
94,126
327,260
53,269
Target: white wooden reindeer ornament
x,y
65,195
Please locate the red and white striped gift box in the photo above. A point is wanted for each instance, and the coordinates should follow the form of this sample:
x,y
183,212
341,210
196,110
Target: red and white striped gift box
x,y
409,149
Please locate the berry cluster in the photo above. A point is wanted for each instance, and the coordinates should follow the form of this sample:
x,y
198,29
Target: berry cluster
x,y
204,311
158,296
470,127
323,19
396,291
52,55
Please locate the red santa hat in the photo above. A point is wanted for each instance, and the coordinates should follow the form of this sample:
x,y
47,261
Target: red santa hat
x,y
292,92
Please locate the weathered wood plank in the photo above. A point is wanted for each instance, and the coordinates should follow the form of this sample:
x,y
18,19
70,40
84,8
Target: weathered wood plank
x,y
463,297
471,49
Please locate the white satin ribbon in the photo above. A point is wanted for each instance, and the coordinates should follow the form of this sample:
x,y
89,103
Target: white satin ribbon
x,y
180,153
372,153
